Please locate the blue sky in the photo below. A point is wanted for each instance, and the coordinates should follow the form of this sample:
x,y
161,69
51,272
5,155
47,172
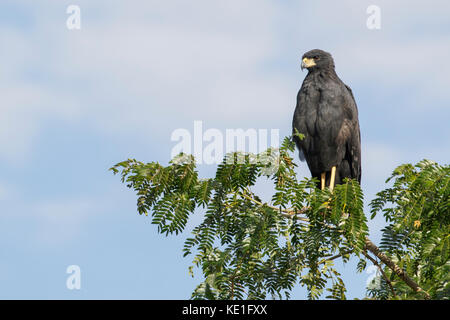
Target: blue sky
x,y
75,102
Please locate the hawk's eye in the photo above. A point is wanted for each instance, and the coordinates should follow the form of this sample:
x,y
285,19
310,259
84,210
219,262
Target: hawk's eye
x,y
316,58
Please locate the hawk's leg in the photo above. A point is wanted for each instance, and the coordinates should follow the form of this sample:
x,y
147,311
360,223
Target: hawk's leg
x,y
322,180
333,177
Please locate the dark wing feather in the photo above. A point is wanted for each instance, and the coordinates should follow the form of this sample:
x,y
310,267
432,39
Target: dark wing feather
x,y
354,144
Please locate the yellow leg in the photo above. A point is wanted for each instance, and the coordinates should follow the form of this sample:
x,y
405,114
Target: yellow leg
x,y
322,181
333,177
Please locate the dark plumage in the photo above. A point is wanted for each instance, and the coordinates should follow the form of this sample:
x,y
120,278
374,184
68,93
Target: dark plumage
x,y
327,115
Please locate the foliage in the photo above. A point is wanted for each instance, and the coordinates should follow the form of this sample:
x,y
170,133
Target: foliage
x,y
417,209
250,249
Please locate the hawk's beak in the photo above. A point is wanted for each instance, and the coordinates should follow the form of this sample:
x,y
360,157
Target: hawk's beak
x,y
307,63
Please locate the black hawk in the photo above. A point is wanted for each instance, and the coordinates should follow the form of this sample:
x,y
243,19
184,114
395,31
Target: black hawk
x,y
327,115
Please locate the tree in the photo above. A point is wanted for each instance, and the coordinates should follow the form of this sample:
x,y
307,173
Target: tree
x,y
247,248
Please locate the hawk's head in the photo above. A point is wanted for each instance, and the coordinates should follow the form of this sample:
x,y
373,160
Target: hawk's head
x,y
317,59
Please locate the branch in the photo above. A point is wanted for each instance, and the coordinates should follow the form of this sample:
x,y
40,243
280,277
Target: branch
x,y
370,246
382,272
288,213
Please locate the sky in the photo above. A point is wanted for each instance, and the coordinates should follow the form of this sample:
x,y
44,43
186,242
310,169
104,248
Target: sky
x,y
76,101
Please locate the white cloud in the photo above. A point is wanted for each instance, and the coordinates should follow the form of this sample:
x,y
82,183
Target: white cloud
x,y
53,222
133,67
124,70
24,109
184,63
62,221
26,102
378,162
4,192
380,159
417,66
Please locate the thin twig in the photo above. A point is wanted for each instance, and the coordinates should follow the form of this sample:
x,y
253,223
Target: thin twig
x,y
334,257
287,213
370,246
382,272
